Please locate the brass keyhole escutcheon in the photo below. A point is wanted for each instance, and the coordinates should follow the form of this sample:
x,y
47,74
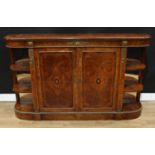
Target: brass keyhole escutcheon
x,y
57,81
98,81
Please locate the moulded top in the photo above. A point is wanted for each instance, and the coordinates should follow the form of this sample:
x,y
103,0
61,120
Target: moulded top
x,y
103,36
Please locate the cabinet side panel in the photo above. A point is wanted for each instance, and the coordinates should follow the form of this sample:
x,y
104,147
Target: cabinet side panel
x,y
56,73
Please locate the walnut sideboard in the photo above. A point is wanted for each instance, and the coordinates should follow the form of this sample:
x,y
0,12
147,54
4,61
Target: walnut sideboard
x,y
77,76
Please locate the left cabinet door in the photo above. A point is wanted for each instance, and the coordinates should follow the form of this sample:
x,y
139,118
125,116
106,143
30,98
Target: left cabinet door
x,y
54,73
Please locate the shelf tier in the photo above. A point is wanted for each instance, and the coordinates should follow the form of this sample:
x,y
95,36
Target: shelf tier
x,y
134,65
21,65
129,99
132,85
25,103
23,85
26,99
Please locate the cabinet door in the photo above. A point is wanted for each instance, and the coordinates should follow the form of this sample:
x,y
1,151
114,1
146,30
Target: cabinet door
x,y
55,75
100,78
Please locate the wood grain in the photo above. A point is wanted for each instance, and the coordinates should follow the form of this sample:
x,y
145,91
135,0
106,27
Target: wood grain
x,y
56,75
78,76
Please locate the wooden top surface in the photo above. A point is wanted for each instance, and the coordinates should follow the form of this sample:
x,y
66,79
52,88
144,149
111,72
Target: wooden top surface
x,y
103,36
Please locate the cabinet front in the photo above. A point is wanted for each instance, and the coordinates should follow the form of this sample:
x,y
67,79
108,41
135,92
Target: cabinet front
x,y
77,79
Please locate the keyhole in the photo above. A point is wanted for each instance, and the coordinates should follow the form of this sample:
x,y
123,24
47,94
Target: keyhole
x,y
98,81
57,81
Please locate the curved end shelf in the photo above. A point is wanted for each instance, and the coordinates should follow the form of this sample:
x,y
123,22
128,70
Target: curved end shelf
x,y
21,65
23,85
134,65
25,103
132,85
129,99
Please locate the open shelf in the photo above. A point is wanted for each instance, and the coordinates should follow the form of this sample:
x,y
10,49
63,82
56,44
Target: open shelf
x,y
23,86
26,99
134,65
132,84
25,103
129,98
132,105
21,65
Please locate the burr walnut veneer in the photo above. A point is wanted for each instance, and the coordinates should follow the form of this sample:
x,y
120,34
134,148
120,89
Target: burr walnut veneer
x,y
77,76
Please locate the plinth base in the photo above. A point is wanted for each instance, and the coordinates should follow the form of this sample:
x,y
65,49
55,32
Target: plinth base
x,y
130,111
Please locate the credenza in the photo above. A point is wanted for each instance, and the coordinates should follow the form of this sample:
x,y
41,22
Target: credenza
x,y
78,76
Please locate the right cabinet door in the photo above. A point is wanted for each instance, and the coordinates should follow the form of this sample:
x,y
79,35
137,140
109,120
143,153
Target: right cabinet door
x,y
101,70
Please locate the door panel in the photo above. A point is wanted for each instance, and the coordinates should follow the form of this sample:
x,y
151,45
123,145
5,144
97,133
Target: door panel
x,y
99,79
56,79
